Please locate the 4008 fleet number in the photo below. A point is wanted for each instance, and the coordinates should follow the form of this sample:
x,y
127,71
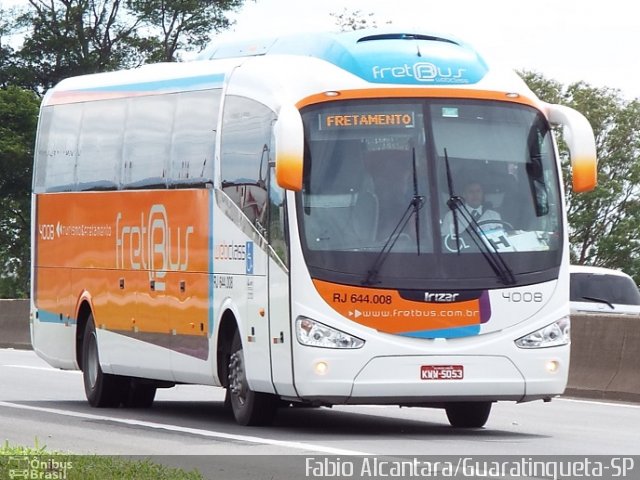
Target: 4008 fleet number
x,y
523,297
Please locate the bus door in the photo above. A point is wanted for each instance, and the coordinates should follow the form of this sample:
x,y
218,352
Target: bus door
x,y
279,301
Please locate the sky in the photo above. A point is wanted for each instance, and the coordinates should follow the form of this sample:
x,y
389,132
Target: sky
x,y
566,40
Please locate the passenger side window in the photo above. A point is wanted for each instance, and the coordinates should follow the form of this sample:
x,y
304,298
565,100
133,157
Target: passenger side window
x,y
245,145
100,145
194,138
277,219
58,148
154,141
148,141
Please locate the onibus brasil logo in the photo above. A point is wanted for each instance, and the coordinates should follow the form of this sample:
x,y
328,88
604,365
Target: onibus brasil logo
x,y
38,468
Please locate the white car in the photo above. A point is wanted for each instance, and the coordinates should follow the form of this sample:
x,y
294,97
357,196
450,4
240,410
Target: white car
x,y
602,290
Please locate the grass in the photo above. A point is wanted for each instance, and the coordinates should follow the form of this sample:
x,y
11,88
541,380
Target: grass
x,y
18,462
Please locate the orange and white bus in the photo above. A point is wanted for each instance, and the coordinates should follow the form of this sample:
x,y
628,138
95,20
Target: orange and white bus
x,y
291,219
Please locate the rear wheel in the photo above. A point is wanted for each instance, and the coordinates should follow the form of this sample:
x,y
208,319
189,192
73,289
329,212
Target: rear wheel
x,y
468,414
249,407
101,389
139,394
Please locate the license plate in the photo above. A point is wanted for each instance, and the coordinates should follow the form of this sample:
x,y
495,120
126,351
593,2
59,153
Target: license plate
x,y
441,372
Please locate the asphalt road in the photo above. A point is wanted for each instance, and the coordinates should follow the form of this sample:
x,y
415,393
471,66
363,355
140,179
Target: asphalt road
x,y
44,406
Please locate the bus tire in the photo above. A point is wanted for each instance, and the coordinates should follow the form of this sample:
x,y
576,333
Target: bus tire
x,y
248,407
139,394
102,390
468,414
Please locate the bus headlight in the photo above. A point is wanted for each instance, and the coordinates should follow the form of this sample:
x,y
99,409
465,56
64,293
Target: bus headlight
x,y
316,334
554,335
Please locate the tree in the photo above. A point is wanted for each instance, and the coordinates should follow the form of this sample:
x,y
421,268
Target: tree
x,y
75,37
354,20
181,24
6,52
18,114
604,223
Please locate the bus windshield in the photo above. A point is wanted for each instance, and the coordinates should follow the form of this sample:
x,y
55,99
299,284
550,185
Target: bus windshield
x,y
429,193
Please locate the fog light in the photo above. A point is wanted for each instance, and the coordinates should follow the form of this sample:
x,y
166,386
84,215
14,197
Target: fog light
x,y
321,368
552,366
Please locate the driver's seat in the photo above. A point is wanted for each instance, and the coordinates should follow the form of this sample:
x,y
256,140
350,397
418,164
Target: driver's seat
x,y
390,172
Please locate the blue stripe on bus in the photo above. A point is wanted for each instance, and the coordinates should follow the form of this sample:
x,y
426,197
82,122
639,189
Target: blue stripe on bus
x,y
457,332
50,317
186,83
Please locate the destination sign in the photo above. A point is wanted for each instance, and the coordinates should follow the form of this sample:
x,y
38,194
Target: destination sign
x,y
332,121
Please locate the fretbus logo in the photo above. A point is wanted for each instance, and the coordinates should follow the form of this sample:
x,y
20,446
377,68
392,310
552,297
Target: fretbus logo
x,y
420,71
152,244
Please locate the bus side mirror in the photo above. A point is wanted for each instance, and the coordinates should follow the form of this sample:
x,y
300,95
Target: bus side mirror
x,y
289,148
579,137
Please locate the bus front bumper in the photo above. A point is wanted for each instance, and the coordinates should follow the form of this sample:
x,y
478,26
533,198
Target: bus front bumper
x,y
423,379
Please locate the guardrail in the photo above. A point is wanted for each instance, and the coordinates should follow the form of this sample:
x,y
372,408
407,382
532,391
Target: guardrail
x,y
605,357
605,351
14,324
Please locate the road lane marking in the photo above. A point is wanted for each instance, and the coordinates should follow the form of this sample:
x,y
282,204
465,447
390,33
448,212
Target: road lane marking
x,y
599,402
48,369
193,431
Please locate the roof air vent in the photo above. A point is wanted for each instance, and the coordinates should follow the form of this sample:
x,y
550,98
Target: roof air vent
x,y
405,36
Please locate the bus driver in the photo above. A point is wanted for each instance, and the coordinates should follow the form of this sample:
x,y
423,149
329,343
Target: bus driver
x,y
473,196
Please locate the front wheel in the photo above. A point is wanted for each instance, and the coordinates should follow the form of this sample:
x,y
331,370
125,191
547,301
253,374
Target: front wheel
x,y
249,407
468,414
101,389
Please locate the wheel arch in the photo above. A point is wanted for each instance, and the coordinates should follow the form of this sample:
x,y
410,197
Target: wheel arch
x,y
85,311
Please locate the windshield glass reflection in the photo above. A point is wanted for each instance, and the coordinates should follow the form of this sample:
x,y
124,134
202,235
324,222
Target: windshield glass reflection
x,y
367,164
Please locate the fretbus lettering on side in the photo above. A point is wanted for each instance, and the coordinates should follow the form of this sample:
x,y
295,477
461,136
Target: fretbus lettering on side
x,y
148,245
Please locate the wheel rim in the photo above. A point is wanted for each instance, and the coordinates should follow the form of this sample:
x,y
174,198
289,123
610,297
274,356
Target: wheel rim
x,y
237,379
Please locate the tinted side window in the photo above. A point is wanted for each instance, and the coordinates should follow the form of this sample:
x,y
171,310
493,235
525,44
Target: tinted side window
x,y
140,142
277,220
57,149
41,155
246,137
100,145
148,141
194,137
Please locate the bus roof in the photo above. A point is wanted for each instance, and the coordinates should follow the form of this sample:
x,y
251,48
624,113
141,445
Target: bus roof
x,y
375,55
324,61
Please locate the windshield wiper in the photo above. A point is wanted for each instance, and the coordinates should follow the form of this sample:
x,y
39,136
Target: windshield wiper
x,y
452,198
414,207
477,234
482,241
600,300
